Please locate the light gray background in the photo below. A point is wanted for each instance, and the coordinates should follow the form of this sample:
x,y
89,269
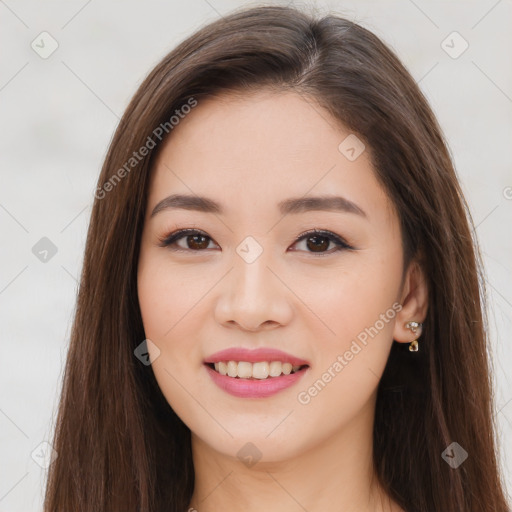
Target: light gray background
x,y
58,115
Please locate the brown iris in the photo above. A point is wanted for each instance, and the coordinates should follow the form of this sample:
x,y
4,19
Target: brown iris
x,y
318,247
199,241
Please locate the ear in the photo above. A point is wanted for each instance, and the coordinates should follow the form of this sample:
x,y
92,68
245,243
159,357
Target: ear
x,y
414,301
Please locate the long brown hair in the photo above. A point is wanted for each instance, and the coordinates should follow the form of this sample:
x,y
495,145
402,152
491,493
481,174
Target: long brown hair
x,y
120,445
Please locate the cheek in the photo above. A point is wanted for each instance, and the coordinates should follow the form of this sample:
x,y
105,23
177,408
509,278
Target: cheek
x,y
349,364
350,299
358,305
169,303
166,296
166,302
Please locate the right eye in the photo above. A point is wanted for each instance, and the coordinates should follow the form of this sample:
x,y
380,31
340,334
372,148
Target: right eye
x,y
195,240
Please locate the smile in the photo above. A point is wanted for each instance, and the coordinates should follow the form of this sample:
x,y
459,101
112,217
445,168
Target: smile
x,y
259,370
255,387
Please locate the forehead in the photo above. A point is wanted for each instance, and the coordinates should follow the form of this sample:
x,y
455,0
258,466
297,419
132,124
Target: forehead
x,y
265,146
246,127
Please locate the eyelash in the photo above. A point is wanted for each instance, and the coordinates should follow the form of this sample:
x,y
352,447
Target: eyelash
x,y
172,238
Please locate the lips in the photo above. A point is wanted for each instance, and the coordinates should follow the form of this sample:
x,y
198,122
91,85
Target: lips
x,y
255,388
268,360
255,356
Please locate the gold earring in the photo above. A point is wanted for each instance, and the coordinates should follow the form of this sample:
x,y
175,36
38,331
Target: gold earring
x,y
415,327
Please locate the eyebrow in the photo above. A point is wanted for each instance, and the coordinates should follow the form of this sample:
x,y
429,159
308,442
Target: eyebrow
x,y
292,205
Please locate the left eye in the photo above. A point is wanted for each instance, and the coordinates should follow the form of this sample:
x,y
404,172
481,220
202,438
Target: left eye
x,y
316,241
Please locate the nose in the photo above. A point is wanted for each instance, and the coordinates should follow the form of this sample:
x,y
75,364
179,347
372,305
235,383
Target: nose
x,y
252,297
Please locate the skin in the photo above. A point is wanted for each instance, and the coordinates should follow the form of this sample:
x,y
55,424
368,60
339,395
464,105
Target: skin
x,y
249,153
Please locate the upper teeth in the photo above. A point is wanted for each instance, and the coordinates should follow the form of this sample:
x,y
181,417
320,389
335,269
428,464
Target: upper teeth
x,y
260,370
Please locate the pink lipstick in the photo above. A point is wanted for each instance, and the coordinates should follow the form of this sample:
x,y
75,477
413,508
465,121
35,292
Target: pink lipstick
x,y
251,387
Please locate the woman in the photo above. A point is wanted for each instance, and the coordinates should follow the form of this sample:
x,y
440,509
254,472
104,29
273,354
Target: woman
x,y
280,301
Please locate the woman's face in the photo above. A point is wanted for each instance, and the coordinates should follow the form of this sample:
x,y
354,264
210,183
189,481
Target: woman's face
x,y
248,280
